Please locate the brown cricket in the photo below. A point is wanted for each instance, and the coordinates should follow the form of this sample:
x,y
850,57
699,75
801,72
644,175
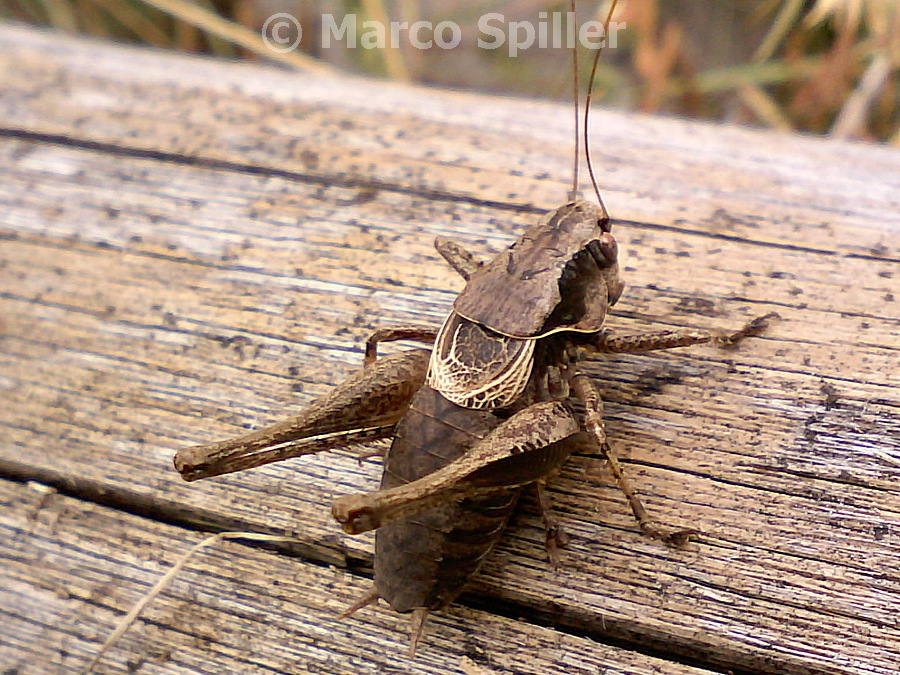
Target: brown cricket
x,y
483,414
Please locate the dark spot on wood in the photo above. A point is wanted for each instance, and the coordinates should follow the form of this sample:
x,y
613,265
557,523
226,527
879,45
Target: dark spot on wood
x,y
310,159
694,305
652,381
809,434
831,394
235,342
886,274
134,665
363,196
880,531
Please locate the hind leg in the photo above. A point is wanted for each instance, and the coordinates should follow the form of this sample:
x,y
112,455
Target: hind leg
x,y
365,407
527,447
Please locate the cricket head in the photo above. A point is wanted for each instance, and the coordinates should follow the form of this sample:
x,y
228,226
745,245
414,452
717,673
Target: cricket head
x,y
561,275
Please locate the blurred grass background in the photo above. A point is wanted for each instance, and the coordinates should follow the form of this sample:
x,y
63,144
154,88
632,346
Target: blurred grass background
x,y
828,67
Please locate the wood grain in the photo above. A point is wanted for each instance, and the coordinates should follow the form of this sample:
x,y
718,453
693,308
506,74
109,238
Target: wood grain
x,y
191,248
233,609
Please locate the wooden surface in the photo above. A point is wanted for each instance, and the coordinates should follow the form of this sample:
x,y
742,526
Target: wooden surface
x,y
191,248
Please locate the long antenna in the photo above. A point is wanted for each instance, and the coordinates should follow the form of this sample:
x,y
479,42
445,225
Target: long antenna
x,y
575,187
587,103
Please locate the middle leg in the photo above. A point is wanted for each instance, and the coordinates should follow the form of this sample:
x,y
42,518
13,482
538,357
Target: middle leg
x,y
556,538
587,392
417,333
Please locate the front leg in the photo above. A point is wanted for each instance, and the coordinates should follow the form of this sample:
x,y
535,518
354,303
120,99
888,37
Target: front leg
x,y
605,341
457,257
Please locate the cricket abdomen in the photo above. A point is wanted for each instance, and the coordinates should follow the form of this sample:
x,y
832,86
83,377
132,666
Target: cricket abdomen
x,y
424,561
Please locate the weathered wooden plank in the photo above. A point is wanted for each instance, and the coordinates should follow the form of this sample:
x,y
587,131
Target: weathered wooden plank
x,y
149,304
724,181
70,570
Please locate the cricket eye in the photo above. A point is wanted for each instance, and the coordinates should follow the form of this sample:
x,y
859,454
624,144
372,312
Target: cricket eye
x,y
609,247
604,251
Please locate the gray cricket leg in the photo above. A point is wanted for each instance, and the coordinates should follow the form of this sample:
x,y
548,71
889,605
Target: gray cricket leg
x,y
669,339
556,538
587,392
365,407
525,448
457,257
418,333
